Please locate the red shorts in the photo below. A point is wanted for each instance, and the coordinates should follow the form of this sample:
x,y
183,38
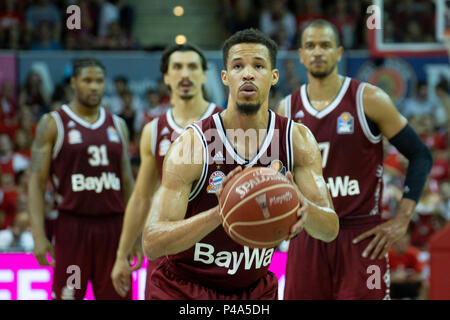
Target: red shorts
x,y
166,285
151,266
318,270
85,249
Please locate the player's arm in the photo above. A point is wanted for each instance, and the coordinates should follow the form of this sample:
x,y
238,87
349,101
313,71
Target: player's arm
x,y
167,231
317,215
136,213
380,109
127,174
41,156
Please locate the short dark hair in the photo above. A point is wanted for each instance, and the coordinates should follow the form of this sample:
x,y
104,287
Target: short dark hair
x,y
164,66
321,23
79,64
250,36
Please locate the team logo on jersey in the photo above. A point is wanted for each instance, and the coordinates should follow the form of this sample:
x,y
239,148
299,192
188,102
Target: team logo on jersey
x,y
277,165
71,124
299,114
215,181
74,136
164,147
218,157
113,136
345,123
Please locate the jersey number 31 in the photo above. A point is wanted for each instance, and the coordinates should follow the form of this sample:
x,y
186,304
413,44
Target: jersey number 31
x,y
98,156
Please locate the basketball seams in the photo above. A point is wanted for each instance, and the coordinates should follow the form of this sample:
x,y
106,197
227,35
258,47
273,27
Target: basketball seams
x,y
264,244
253,223
251,197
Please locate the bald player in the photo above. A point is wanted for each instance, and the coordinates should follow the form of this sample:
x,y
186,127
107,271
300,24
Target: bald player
x,y
349,119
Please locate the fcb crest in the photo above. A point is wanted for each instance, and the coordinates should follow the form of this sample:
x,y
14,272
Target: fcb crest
x,y
345,123
215,181
113,136
277,165
164,146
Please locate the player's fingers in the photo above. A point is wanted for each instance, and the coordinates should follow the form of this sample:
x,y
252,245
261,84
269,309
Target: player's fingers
x,y
299,225
370,247
387,246
364,236
52,255
378,248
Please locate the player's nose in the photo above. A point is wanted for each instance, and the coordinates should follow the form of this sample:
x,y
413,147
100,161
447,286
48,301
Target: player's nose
x,y
248,74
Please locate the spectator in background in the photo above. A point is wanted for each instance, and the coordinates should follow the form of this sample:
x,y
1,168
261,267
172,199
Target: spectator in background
x,y
442,93
82,39
115,39
8,108
33,96
279,21
444,206
307,11
44,40
345,22
153,108
405,269
44,11
239,15
17,238
128,113
11,21
109,12
22,143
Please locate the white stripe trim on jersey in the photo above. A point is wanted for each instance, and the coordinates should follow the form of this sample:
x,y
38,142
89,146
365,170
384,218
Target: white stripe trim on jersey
x,y
116,121
333,105
289,147
154,136
287,106
240,160
179,129
362,117
84,123
60,134
202,179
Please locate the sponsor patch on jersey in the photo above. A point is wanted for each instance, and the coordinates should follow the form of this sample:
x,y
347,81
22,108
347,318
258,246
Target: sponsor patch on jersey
x,y
113,136
164,146
75,136
71,124
345,123
215,181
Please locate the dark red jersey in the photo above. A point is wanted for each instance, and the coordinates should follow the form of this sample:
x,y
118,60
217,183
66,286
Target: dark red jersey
x,y
352,156
217,261
166,131
86,168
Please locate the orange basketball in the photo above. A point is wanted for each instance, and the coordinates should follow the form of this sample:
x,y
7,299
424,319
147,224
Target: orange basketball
x,y
258,207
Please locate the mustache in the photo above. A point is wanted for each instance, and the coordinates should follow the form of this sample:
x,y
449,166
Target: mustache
x,y
185,81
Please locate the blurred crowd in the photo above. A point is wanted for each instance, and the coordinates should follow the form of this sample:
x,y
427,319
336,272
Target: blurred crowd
x,y
41,25
38,25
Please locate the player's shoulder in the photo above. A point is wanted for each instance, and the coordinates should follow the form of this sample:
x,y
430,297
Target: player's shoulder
x,y
373,93
304,144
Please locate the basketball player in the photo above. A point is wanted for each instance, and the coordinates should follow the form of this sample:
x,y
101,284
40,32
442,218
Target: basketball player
x,y
184,71
83,148
200,261
349,118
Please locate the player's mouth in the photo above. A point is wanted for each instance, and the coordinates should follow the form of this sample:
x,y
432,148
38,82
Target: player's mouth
x,y
185,85
318,62
248,89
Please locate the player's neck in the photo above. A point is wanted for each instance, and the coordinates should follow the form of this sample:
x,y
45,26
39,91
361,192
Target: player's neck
x,y
233,119
188,110
324,89
86,113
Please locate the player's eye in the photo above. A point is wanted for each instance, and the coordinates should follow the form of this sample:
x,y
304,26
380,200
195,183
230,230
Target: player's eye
x,y
237,66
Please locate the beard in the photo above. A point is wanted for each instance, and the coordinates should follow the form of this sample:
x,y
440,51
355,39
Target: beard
x,y
248,108
322,74
186,96
89,104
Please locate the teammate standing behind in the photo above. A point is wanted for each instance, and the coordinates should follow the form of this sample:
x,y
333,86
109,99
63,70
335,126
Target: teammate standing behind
x,y
83,149
184,70
348,118
184,226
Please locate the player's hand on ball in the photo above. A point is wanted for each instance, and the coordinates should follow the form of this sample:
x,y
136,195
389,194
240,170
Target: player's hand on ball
x,y
302,212
384,235
41,247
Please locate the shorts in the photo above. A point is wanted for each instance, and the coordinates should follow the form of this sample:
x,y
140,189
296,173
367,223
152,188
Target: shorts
x,y
166,285
85,249
316,270
151,266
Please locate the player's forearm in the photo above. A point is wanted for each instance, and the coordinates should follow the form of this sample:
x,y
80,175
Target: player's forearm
x,y
405,210
171,237
134,220
36,206
322,223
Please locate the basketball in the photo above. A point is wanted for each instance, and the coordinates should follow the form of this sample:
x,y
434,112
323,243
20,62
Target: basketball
x,y
258,207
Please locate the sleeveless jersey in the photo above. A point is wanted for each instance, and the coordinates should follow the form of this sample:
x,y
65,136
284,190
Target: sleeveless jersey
x,y
217,261
166,131
352,156
86,166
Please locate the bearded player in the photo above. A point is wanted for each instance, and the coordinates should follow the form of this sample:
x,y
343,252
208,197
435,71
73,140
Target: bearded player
x,y
184,71
82,149
349,119
184,225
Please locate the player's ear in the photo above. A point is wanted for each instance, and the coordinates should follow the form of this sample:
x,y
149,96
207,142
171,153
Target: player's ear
x,y
300,54
340,50
275,76
72,82
224,76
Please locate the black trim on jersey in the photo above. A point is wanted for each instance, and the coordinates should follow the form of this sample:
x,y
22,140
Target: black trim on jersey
x,y
202,179
372,126
246,161
289,151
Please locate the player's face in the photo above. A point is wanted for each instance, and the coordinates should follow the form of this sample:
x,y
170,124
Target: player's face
x,y
319,52
89,86
249,76
185,75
